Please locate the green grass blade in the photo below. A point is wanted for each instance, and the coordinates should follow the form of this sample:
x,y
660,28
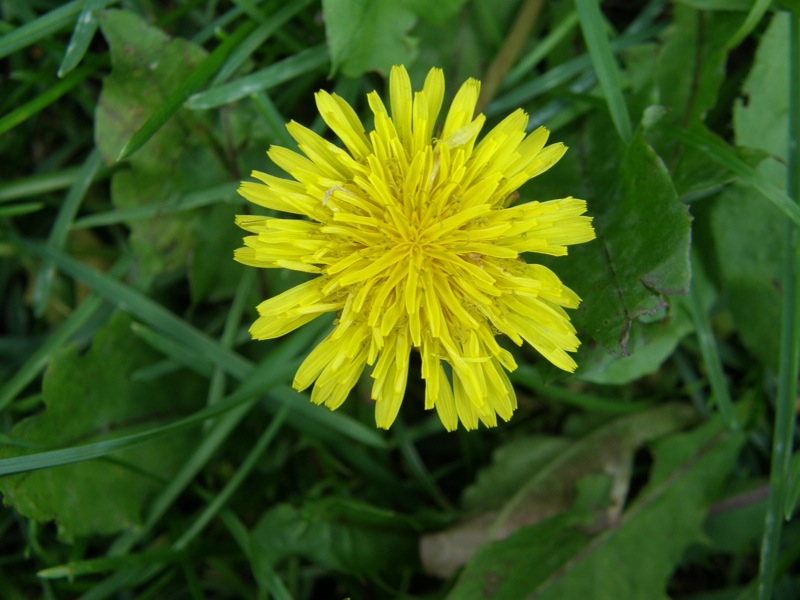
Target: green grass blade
x,y
181,353
711,360
71,325
58,234
192,83
42,101
217,387
789,359
524,67
105,564
753,17
304,411
715,148
301,63
65,456
793,493
225,192
275,120
257,38
146,310
527,376
24,208
37,185
595,34
560,75
233,484
40,28
82,34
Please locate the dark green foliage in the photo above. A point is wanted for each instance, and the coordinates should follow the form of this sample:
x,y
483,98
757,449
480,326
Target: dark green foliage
x,y
126,129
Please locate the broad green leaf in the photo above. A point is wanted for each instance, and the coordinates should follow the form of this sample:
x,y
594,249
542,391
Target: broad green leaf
x,y
641,255
175,99
649,345
147,67
90,396
335,533
760,116
749,233
368,35
512,464
558,559
534,479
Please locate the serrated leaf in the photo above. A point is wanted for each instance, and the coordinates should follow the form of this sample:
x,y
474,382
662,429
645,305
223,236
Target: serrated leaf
x,y
649,345
147,67
89,397
335,533
368,34
555,560
641,255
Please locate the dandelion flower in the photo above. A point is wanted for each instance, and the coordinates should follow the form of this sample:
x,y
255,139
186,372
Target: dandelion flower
x,y
413,242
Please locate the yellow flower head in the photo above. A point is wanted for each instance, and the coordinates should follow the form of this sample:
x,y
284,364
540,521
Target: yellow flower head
x,y
414,245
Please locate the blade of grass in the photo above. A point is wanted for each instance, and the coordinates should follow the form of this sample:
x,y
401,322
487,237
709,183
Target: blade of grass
x,y
146,310
71,325
218,24
82,34
789,360
513,43
753,17
416,466
190,85
61,226
282,395
289,68
257,38
65,456
263,377
251,10
793,494
528,377
711,360
541,49
711,145
38,29
225,192
24,208
36,185
43,100
180,353
233,484
217,387
595,35
107,563
561,74
275,120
